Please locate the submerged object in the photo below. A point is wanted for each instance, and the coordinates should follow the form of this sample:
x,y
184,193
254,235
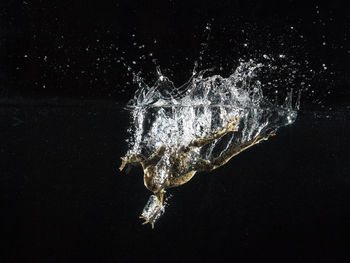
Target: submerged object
x,y
177,132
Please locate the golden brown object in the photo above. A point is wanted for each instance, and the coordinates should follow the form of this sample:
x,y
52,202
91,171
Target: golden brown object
x,y
180,166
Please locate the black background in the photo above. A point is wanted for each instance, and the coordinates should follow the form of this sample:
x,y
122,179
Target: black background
x,y
69,49
63,127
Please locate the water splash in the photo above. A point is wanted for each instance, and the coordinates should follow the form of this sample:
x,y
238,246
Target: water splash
x,y
199,126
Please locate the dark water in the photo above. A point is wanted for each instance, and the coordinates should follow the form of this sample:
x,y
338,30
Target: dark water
x,y
64,199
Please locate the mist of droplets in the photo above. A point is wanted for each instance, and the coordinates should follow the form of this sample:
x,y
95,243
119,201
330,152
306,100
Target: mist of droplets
x,y
165,115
